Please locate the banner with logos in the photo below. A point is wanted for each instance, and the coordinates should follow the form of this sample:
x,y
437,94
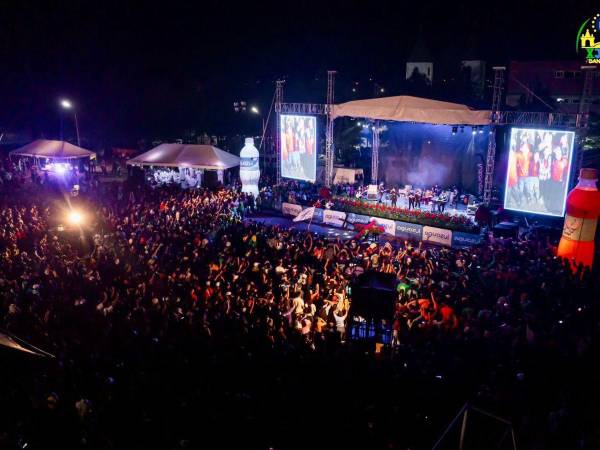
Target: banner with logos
x,y
358,218
388,225
460,239
290,209
407,230
335,218
437,236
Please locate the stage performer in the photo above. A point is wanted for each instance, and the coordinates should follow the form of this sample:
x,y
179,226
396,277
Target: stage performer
x,y
411,199
418,197
394,198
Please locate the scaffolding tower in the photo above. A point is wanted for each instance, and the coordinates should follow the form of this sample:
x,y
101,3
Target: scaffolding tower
x,y
329,149
491,150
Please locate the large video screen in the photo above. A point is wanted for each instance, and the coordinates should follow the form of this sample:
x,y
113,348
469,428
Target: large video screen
x,y
539,164
299,147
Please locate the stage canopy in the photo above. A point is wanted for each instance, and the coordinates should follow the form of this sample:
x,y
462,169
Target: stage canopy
x,y
182,155
44,148
412,109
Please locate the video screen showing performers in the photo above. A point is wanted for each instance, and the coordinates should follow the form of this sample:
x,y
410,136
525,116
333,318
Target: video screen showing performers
x,y
299,147
539,164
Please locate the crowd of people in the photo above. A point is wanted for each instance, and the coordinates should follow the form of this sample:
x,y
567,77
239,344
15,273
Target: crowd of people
x,y
177,321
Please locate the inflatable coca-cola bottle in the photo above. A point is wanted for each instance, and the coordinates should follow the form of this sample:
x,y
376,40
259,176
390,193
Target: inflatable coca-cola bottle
x,y
583,209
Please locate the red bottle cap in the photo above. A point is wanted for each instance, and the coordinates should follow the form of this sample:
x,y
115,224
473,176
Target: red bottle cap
x,y
588,174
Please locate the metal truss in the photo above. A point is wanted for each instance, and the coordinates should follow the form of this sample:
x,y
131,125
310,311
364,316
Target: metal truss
x,y
303,108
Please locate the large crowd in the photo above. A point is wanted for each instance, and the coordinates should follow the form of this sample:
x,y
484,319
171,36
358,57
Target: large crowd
x,y
177,321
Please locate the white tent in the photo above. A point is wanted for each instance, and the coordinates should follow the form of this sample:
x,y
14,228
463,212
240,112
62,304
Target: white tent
x,y
412,109
183,155
44,148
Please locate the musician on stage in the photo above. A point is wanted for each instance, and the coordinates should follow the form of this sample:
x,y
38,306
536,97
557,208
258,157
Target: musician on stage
x,y
411,199
443,199
418,196
394,197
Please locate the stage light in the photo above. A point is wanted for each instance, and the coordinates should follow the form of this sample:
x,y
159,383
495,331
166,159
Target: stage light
x,y
359,124
66,103
75,218
353,90
481,130
254,109
60,169
474,131
454,130
382,90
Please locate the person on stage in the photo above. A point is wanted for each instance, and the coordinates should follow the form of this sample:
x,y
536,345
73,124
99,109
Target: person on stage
x,y
442,202
418,196
411,199
394,197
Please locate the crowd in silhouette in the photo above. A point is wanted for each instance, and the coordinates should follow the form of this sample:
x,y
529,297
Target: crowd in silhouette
x,y
176,321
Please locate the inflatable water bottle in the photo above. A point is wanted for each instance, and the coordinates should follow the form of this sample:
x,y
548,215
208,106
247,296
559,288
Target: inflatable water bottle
x,y
579,230
249,168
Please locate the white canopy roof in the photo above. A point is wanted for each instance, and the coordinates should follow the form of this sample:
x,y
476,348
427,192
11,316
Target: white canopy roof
x,y
405,108
183,155
44,148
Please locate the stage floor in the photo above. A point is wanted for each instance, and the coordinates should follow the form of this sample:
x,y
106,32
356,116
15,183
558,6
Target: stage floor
x,y
320,229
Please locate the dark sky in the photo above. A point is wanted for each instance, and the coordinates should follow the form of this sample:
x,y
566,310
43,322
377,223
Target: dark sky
x,y
135,70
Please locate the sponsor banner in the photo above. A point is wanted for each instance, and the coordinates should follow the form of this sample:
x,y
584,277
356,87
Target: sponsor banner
x,y
388,225
437,236
406,230
290,209
358,218
318,216
335,218
460,239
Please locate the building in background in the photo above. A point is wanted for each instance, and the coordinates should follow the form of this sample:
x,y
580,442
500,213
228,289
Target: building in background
x,y
558,83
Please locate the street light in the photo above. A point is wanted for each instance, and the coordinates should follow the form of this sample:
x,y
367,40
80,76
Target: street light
x,y
66,104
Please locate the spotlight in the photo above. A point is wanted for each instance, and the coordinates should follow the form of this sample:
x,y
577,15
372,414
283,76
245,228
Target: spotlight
x,y
382,90
60,168
474,131
75,217
359,124
454,130
481,130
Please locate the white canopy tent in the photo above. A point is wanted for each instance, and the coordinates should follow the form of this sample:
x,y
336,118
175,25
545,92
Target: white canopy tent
x,y
404,108
44,148
204,157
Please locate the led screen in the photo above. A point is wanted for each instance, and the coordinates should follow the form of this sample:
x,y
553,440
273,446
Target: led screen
x,y
299,147
537,178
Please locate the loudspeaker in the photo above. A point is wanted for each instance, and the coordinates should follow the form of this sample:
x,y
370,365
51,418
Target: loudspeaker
x,y
374,295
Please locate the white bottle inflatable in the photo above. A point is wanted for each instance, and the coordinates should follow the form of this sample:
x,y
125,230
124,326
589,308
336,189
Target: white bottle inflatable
x,y
249,168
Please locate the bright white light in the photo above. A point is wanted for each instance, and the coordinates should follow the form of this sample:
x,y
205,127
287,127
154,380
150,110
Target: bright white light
x,y
59,169
75,217
382,90
359,124
66,104
254,109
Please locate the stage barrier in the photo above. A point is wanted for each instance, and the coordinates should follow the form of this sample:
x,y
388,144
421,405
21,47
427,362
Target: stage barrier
x,y
398,229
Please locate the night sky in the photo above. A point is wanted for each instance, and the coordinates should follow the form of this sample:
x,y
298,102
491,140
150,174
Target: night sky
x,y
140,71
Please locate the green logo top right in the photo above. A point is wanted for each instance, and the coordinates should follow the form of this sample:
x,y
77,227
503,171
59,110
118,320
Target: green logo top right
x,y
588,40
